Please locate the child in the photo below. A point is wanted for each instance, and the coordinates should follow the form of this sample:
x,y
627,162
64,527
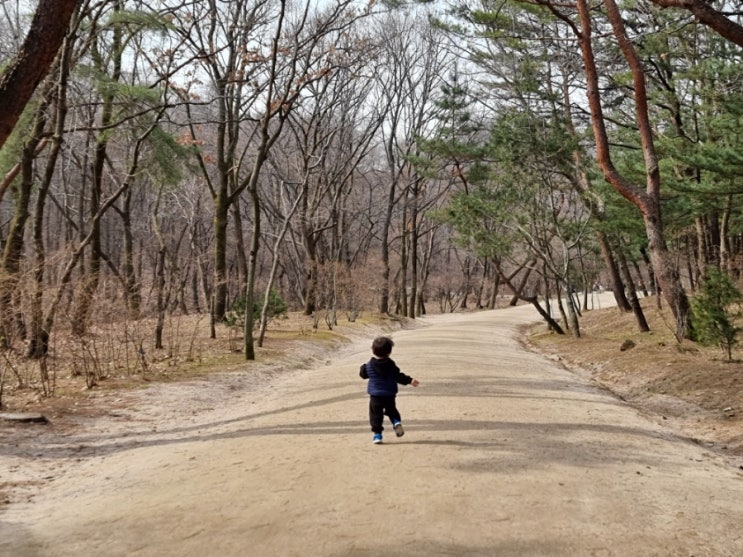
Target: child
x,y
383,376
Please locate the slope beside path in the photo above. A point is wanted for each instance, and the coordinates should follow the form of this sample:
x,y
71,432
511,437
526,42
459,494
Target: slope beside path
x,y
505,454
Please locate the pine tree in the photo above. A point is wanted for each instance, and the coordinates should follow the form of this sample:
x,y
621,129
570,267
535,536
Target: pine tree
x,y
718,308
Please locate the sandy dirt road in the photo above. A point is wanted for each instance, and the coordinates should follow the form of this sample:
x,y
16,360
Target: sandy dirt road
x,y
505,454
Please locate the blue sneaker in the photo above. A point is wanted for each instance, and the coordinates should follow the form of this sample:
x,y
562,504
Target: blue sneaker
x,y
399,431
377,438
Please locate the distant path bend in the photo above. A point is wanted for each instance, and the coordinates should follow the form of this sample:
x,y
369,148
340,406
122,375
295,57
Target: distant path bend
x,y
505,454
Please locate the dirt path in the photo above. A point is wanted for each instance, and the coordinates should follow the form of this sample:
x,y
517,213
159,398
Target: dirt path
x,y
505,454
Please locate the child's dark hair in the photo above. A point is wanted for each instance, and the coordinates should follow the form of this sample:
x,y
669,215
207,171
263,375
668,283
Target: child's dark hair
x,y
382,347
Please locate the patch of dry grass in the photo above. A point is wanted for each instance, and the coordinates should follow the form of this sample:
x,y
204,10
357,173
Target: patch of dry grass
x,y
110,355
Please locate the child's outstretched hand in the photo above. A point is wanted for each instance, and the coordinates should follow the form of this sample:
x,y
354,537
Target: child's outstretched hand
x,y
415,382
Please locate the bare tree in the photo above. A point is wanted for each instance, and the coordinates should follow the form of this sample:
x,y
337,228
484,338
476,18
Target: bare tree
x,y
328,138
413,71
260,59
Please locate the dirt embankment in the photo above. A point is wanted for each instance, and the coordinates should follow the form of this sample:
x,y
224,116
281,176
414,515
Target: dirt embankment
x,y
691,389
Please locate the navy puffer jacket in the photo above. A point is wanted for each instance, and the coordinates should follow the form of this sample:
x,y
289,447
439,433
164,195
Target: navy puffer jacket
x,y
384,376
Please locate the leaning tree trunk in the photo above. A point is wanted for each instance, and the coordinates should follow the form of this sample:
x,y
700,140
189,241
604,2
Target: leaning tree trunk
x,y
572,311
275,265
704,11
21,77
596,207
533,300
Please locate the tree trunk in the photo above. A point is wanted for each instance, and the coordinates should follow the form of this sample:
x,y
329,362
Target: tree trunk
x,y
401,307
617,287
702,249
275,264
651,273
493,300
558,297
384,297
242,263
132,293
704,11
219,289
533,300
159,275
160,297
91,275
725,258
21,77
642,323
642,286
311,275
572,312
424,272
252,263
14,243
522,284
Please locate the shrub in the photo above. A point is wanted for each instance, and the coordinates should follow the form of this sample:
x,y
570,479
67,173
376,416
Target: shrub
x,y
276,308
717,310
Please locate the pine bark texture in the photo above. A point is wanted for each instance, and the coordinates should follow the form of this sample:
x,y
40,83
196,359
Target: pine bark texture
x,y
25,72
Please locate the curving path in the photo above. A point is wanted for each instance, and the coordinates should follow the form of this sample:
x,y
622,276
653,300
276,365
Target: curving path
x,y
505,454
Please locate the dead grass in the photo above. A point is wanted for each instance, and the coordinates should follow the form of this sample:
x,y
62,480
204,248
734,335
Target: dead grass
x,y
188,353
693,389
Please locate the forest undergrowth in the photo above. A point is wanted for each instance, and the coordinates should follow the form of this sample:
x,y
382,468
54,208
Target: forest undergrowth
x,y
82,374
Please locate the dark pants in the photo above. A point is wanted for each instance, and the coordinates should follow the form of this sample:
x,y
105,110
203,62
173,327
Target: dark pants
x,y
379,406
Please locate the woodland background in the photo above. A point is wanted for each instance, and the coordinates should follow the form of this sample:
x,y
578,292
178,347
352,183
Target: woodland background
x,y
196,158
